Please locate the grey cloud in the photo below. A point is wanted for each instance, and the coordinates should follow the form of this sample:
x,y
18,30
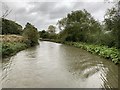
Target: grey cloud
x,y
42,14
60,12
97,9
42,7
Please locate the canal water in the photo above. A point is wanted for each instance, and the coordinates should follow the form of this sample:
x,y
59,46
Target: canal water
x,y
53,65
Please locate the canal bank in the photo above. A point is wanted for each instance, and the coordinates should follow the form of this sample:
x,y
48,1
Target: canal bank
x,y
12,44
11,48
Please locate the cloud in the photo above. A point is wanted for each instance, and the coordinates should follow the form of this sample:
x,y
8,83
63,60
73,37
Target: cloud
x,y
43,14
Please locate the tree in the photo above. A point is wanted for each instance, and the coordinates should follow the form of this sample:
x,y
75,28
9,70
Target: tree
x,y
43,34
51,29
62,23
31,34
118,24
112,23
10,27
79,26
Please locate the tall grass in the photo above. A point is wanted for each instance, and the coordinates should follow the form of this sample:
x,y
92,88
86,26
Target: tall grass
x,y
11,44
11,38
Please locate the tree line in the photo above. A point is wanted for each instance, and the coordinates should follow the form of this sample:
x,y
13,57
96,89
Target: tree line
x,y
80,26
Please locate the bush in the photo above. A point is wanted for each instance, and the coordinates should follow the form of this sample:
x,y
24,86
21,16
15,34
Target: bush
x,y
31,34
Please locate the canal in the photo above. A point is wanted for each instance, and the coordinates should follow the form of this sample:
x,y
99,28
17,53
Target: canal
x,y
53,65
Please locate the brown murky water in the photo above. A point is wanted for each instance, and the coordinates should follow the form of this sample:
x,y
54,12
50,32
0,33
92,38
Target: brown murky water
x,y
52,65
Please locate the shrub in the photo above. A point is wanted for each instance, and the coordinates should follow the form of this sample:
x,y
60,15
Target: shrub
x,y
31,34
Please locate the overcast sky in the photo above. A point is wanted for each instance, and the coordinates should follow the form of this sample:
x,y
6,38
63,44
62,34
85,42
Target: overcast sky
x,y
43,13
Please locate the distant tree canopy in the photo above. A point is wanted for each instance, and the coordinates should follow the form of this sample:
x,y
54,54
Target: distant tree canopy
x,y
51,29
46,35
31,33
43,34
10,27
49,33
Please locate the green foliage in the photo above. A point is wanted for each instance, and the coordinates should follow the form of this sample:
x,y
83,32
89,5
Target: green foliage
x,y
107,39
10,27
46,35
53,36
31,34
62,23
11,48
79,26
103,51
112,23
43,34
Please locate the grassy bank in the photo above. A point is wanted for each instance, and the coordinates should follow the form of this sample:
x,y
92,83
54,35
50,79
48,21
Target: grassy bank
x,y
9,49
11,44
112,54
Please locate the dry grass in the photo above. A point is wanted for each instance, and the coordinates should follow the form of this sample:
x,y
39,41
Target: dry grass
x,y
11,38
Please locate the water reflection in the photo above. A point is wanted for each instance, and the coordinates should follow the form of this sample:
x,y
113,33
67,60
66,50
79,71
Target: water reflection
x,y
58,66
